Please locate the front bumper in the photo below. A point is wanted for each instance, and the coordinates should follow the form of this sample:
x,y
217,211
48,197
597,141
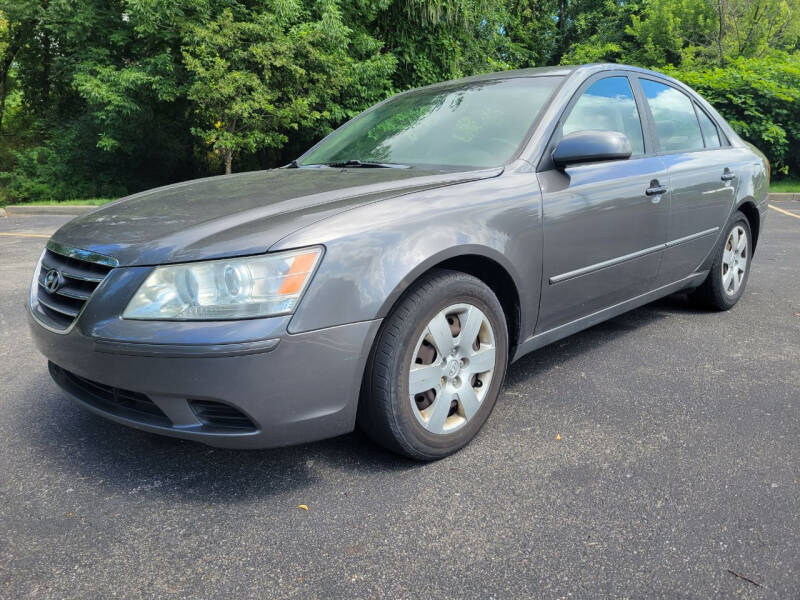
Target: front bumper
x,y
286,389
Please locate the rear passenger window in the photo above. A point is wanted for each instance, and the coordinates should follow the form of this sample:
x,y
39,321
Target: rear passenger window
x,y
710,132
608,105
675,119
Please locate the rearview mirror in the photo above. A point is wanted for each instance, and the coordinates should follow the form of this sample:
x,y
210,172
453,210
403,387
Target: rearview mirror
x,y
591,146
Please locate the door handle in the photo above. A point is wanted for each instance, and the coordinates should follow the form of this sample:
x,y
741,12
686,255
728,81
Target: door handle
x,y
655,189
728,175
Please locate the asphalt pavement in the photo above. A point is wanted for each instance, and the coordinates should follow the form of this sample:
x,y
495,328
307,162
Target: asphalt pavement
x,y
655,455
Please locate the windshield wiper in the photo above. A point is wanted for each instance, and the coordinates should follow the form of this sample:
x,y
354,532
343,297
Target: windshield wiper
x,y
365,164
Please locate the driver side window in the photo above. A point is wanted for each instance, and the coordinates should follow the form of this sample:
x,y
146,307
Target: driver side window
x,y
608,105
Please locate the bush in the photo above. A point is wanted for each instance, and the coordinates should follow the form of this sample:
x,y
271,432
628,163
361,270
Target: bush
x,y
27,181
40,174
760,98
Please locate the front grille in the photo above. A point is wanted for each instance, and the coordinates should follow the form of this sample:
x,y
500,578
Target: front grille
x,y
132,405
217,414
78,279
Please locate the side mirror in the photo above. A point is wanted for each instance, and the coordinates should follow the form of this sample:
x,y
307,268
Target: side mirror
x,y
591,146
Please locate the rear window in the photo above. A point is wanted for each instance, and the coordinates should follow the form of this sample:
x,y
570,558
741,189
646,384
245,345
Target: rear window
x,y
675,119
710,132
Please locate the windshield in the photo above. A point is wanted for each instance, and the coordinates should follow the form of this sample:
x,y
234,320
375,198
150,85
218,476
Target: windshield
x,y
479,124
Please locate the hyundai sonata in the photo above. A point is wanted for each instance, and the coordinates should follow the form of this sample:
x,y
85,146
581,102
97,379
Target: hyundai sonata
x,y
389,275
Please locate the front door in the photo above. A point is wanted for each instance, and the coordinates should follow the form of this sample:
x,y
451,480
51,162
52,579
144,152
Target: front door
x,y
604,224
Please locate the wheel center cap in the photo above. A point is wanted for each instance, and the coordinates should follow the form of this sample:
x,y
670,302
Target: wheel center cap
x,y
453,367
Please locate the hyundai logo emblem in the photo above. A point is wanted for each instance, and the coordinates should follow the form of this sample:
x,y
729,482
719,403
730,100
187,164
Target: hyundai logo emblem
x,y
53,281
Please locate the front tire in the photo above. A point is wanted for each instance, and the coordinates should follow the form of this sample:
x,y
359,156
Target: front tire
x,y
436,368
727,278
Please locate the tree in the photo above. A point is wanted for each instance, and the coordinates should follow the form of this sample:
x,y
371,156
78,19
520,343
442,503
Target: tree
x,y
435,40
257,78
5,64
18,22
751,28
532,32
104,97
672,31
662,32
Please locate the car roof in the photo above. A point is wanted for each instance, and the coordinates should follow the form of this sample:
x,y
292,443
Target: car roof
x,y
560,70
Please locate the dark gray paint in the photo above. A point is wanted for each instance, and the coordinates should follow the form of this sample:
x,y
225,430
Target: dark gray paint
x,y
580,244
300,390
236,215
596,213
591,146
700,200
370,260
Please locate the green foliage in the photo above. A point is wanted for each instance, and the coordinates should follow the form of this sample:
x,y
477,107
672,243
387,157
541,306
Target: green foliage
x,y
760,98
436,40
785,186
257,80
754,28
688,31
30,179
669,31
104,97
73,202
40,174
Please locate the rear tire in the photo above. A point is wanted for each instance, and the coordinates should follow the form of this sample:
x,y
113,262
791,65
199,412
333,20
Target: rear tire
x,y
727,278
436,367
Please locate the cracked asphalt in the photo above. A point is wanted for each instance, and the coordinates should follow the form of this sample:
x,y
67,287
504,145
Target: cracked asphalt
x,y
676,475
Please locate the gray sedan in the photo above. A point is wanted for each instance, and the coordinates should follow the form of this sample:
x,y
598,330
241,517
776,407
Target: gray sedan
x,y
389,275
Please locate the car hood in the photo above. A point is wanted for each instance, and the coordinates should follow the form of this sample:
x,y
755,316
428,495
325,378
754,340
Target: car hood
x,y
236,215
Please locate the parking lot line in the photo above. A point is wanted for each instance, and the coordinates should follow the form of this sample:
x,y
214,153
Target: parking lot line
x,y
42,235
785,212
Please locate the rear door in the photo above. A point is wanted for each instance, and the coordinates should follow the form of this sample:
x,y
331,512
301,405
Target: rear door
x,y
702,175
604,228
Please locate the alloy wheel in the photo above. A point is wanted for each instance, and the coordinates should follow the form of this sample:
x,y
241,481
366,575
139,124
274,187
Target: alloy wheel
x,y
451,368
734,260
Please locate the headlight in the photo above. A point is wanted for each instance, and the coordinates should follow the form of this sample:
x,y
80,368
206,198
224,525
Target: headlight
x,y
234,288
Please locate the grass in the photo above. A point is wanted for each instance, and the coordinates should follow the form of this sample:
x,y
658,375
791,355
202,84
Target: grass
x,y
785,185
78,202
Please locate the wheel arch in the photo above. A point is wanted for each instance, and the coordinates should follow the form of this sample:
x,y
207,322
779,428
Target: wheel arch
x,y
749,209
482,263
